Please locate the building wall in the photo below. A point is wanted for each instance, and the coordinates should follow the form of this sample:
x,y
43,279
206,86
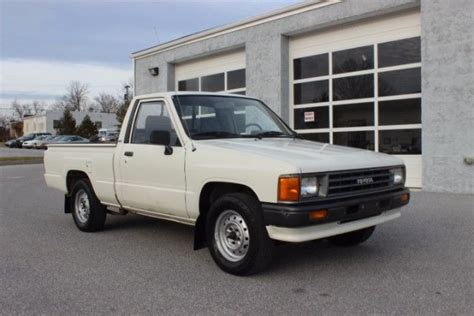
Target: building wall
x,y
448,94
447,73
45,123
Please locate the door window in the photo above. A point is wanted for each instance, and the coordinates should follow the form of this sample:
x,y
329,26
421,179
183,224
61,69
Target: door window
x,y
153,125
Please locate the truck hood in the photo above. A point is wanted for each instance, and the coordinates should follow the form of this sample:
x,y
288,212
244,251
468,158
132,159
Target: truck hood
x,y
308,156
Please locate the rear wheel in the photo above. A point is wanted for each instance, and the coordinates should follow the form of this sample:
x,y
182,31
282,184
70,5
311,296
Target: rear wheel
x,y
353,238
236,235
87,211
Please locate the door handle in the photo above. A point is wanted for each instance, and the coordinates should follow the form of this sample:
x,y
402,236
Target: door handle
x,y
129,153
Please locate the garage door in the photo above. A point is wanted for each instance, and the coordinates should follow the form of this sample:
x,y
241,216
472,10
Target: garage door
x,y
216,73
359,85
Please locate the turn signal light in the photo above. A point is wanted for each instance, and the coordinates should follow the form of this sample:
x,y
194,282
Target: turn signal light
x,y
289,189
404,197
318,215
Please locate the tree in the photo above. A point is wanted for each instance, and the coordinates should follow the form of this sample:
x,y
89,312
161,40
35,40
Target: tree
x,y
19,109
75,99
67,124
107,103
87,128
122,110
36,107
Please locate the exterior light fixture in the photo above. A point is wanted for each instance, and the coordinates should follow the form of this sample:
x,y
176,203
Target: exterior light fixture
x,y
155,71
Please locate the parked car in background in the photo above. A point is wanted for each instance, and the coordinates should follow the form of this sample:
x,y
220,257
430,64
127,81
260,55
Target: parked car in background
x,y
33,143
107,135
67,139
21,140
10,143
43,142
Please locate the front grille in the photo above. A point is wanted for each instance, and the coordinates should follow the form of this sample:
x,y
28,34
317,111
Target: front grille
x,y
359,181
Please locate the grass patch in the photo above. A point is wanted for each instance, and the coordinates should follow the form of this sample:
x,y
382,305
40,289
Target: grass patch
x,y
19,160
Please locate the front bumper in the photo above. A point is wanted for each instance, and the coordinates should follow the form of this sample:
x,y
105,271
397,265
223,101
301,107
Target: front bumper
x,y
342,210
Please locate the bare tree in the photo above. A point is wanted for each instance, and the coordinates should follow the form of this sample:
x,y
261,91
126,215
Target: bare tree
x,y
107,103
37,107
20,109
76,96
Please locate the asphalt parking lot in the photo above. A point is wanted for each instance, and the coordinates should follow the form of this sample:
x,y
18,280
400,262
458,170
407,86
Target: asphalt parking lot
x,y
421,263
20,152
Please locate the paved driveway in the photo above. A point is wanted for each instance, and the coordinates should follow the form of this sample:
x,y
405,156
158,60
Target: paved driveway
x,y
20,152
419,264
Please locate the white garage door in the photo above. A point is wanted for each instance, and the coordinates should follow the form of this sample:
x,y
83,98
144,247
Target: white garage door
x,y
359,85
216,73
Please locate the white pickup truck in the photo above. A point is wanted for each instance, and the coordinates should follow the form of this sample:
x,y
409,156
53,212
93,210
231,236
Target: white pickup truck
x,y
232,168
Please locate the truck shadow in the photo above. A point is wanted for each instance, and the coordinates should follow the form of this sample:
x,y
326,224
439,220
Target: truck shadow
x,y
317,256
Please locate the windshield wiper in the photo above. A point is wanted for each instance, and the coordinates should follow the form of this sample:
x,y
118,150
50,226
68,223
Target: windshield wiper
x,y
215,134
269,134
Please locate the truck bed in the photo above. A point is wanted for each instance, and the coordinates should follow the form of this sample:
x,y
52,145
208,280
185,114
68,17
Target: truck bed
x,y
96,160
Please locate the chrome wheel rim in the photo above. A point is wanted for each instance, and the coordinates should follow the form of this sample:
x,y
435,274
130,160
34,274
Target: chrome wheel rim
x,y
231,235
82,206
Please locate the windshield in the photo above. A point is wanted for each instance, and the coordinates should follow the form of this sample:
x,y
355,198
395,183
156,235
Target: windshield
x,y
210,117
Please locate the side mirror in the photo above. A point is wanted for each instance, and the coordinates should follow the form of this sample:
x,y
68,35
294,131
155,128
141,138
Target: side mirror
x,y
162,138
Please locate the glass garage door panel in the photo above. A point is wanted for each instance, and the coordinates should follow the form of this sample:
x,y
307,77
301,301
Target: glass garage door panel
x,y
310,118
399,112
354,87
311,92
236,79
406,81
317,137
364,140
312,66
400,52
351,115
354,59
189,85
400,142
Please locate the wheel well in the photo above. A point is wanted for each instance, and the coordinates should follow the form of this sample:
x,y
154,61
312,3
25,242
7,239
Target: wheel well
x,y
72,177
209,193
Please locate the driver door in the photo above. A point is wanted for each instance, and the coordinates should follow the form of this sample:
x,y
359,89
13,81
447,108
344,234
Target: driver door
x,y
151,173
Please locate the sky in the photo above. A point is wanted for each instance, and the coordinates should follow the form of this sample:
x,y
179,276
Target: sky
x,y
45,44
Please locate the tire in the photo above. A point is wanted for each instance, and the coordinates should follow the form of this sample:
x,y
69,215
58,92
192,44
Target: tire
x,y
242,246
353,238
87,211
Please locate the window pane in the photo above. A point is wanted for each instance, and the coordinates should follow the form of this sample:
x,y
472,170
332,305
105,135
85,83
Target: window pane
x,y
311,92
400,82
312,66
316,117
354,87
364,140
400,52
236,79
353,59
349,115
189,85
317,137
400,142
212,83
151,119
400,112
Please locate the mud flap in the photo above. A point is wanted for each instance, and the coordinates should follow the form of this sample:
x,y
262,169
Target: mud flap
x,y
67,204
200,233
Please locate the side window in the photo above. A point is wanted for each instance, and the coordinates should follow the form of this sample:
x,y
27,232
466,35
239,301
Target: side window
x,y
153,125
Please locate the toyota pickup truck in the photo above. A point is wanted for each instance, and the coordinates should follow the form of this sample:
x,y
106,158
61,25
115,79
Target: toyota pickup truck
x,y
230,167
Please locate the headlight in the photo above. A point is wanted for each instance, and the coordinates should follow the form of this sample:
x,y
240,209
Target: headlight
x,y
398,175
309,186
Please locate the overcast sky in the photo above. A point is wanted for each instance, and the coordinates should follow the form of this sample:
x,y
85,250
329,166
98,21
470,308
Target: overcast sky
x,y
45,43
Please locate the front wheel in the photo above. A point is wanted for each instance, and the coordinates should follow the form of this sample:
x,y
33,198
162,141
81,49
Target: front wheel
x,y
87,211
352,238
236,235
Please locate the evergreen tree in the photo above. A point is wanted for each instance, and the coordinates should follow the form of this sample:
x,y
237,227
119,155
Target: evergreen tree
x,y
67,124
87,128
120,114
